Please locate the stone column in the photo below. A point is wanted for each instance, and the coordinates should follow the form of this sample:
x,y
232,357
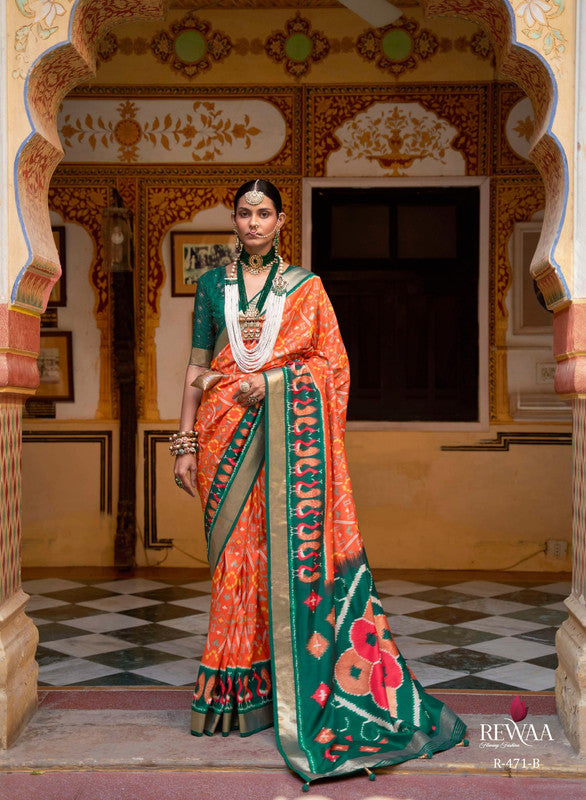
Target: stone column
x,y
18,636
570,346
570,350
19,340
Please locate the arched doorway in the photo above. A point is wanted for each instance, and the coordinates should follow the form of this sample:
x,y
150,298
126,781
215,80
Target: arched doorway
x,y
60,68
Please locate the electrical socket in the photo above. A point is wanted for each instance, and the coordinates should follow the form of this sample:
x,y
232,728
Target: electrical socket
x,y
556,549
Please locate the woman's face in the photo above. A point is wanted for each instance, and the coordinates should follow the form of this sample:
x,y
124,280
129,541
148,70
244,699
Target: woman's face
x,y
257,225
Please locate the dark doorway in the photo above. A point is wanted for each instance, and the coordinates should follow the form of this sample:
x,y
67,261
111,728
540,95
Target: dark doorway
x,y
401,269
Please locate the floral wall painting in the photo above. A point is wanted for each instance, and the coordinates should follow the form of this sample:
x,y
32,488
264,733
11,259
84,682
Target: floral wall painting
x,y
42,23
58,296
297,47
399,47
55,364
519,127
196,252
170,130
396,139
538,21
190,46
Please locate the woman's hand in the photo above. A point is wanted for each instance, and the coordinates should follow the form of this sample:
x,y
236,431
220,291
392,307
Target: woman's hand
x,y
254,394
185,471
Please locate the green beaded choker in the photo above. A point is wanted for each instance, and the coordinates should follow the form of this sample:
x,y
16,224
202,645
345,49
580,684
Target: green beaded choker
x,y
254,263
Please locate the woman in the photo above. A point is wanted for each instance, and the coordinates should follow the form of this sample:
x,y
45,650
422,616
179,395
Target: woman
x,y
297,634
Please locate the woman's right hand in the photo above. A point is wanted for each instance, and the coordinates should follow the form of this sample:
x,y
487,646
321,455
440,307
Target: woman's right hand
x,y
185,470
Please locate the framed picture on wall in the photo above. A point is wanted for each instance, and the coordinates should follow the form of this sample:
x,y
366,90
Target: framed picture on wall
x,y
55,364
530,316
196,252
58,296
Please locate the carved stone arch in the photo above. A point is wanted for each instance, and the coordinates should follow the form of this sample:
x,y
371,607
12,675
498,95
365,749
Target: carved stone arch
x,y
51,77
531,72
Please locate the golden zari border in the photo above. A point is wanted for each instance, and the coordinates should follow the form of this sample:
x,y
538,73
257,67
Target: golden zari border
x,y
278,560
237,494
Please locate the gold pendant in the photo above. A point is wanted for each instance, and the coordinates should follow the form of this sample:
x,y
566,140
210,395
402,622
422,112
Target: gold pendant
x,y
250,324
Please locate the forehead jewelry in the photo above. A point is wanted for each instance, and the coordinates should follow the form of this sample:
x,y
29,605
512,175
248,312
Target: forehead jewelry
x,y
254,197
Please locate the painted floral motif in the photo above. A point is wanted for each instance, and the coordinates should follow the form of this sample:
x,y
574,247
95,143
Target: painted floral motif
x,y
190,46
395,135
524,128
298,46
207,131
397,48
42,16
519,126
539,16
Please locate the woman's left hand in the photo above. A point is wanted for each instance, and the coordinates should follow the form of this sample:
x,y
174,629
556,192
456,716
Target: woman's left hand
x,y
254,394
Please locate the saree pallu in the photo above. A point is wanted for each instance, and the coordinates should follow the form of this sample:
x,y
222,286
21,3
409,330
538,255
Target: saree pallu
x,y
297,633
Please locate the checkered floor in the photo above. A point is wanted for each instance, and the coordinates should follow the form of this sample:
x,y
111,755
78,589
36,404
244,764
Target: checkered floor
x,y
478,634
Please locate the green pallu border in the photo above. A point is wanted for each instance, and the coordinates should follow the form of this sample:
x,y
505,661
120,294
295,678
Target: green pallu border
x,y
237,490
282,618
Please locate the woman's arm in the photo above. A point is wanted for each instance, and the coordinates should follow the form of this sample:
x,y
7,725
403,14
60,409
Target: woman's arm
x,y
186,465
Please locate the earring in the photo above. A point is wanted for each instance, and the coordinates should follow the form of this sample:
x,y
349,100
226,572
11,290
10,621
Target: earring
x,y
276,244
237,243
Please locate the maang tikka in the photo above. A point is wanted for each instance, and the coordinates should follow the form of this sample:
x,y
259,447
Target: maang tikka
x,y
254,197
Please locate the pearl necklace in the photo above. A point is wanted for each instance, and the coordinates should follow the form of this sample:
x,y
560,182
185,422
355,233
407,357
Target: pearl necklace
x,y
253,358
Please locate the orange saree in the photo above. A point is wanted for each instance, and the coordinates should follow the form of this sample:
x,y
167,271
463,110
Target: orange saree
x,y
297,635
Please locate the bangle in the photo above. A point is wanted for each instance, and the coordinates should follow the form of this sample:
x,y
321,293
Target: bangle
x,y
184,442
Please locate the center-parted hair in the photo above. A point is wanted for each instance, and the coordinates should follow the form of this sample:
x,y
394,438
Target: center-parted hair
x,y
266,187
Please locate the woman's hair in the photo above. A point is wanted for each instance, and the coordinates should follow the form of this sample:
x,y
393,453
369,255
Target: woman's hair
x,y
266,187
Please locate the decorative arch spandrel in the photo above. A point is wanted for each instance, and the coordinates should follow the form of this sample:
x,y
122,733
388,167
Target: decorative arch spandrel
x,y
537,51
53,49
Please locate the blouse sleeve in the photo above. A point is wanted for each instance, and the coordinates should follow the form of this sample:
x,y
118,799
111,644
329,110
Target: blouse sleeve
x,y
203,329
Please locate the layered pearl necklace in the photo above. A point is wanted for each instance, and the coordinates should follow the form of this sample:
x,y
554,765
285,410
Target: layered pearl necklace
x,y
251,359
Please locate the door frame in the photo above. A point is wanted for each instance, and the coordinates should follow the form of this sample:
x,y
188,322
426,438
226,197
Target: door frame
x,y
483,184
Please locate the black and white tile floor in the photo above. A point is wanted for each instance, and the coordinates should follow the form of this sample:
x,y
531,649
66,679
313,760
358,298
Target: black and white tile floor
x,y
473,634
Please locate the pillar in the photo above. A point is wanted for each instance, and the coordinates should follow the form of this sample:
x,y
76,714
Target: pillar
x,y
570,350
570,347
18,635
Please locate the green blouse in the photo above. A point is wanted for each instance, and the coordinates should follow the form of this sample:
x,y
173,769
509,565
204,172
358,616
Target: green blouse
x,y
208,310
208,316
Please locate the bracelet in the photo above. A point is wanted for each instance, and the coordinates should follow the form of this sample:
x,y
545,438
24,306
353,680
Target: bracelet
x,y
184,442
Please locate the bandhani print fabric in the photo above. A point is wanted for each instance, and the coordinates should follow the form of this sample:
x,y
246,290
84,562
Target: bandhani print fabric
x,y
297,633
